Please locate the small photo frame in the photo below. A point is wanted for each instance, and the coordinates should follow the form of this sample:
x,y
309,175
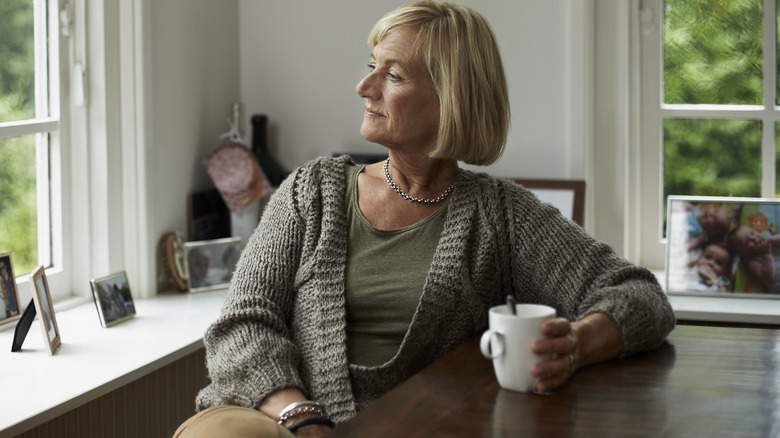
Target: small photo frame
x,y
567,195
45,309
113,298
210,263
10,310
723,246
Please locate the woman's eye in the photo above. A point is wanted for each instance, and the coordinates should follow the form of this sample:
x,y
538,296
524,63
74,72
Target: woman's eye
x,y
393,77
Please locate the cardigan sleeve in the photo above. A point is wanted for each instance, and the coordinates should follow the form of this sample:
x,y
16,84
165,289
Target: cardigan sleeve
x,y
249,351
555,261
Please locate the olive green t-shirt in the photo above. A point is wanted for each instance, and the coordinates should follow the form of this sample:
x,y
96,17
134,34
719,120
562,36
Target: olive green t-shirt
x,y
385,274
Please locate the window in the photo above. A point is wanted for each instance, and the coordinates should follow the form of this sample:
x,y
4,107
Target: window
x,y
708,104
29,134
81,133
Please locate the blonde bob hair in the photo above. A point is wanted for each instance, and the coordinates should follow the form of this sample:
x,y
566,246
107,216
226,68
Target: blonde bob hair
x,y
460,51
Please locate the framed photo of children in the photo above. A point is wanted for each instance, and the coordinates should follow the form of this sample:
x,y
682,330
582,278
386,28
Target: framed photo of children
x,y
210,263
113,298
723,246
9,292
45,309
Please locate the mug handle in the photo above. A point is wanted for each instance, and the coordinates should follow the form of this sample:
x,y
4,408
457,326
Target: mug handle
x,y
491,344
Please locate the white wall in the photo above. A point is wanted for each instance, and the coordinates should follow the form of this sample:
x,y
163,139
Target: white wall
x,y
193,61
300,62
196,79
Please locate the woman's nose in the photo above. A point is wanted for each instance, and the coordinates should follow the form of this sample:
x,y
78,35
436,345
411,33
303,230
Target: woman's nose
x,y
365,88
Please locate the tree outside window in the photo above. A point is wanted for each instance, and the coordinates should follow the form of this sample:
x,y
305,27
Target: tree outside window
x,y
18,200
714,98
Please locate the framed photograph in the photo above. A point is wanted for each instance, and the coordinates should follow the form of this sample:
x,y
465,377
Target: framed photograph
x,y
723,246
568,195
210,263
9,292
45,309
113,298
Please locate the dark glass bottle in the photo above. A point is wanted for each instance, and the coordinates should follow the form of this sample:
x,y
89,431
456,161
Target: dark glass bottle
x,y
273,170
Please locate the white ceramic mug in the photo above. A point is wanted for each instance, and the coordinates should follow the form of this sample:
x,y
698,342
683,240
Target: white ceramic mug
x,y
508,342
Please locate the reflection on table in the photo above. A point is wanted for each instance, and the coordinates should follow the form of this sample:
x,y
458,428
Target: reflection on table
x,y
705,381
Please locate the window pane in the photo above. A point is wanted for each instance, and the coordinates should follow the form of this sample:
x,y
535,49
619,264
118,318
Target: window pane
x,y
17,68
713,52
18,202
712,157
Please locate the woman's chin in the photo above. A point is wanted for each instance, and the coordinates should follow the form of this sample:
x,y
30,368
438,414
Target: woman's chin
x,y
371,138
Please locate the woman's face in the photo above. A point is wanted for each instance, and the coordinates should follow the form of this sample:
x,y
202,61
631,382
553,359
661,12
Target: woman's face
x,y
402,109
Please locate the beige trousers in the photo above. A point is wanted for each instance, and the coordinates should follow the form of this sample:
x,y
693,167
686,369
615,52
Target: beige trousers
x,y
231,421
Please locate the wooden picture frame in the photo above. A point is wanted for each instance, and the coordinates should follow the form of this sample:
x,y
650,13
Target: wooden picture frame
x,y
45,309
568,195
210,263
716,246
113,298
10,308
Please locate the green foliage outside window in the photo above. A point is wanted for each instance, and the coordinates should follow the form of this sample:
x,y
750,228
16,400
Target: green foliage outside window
x,y
18,209
711,157
713,54
17,52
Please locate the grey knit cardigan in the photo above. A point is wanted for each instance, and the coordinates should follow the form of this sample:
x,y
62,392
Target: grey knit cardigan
x,y
283,322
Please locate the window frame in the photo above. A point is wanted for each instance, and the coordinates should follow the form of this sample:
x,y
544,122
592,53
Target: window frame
x,y
644,202
98,156
48,127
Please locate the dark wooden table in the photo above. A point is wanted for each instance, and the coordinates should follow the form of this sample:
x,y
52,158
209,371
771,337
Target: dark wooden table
x,y
704,382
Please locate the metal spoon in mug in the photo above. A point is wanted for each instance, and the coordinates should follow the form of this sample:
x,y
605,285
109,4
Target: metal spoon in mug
x,y
511,302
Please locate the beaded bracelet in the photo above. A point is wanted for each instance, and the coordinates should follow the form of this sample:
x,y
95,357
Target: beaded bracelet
x,y
309,421
301,407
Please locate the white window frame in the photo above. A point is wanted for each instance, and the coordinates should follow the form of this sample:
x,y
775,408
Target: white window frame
x,y
612,207
109,159
98,161
50,125
647,183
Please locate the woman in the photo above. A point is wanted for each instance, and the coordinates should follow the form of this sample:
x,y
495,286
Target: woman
x,y
359,276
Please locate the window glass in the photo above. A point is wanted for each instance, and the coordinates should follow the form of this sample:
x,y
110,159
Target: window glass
x,y
712,80
713,52
24,132
17,52
18,210
711,157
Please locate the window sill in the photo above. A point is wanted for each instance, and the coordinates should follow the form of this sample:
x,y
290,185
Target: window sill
x,y
94,361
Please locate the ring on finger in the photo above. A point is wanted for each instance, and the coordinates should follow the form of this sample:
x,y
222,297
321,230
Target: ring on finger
x,y
572,361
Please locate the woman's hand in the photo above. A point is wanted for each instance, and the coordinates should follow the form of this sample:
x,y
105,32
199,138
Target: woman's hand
x,y
592,339
560,343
